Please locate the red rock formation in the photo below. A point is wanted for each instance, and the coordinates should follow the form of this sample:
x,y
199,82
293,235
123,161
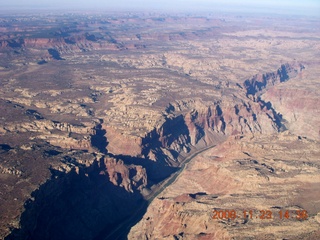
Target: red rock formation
x,y
129,177
94,198
299,108
119,143
194,124
261,81
198,127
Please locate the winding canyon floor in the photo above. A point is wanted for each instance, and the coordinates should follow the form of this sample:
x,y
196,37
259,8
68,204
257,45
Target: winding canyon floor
x,y
262,174
96,109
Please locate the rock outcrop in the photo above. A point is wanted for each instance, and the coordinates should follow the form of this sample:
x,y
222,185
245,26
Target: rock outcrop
x,y
261,81
264,173
192,124
97,111
92,194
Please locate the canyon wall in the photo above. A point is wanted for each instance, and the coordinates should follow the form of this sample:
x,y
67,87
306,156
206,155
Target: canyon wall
x,y
90,200
127,166
192,124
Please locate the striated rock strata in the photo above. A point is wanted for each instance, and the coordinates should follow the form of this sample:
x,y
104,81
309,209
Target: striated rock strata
x,y
99,113
266,173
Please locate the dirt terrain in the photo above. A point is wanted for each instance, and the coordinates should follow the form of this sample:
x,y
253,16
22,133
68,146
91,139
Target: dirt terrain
x,y
97,109
266,173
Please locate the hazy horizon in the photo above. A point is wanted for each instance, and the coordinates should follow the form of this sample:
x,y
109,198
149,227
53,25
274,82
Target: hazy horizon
x,y
293,7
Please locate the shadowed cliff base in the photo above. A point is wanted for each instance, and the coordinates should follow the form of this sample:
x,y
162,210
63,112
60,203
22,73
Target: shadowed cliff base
x,y
77,205
55,54
100,201
156,171
152,90
99,140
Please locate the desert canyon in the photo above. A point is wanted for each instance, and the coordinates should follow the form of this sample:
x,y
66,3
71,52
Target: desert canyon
x,y
142,125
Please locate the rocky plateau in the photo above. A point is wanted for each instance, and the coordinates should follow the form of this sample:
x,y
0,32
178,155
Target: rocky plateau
x,y
100,113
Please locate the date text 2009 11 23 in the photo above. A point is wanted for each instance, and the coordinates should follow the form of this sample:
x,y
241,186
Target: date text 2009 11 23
x,y
260,214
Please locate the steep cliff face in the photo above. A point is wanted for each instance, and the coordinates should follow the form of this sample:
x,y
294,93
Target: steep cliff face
x,y
261,81
205,125
76,42
128,165
299,107
296,104
130,177
89,200
179,213
167,141
264,172
229,119
192,124
97,110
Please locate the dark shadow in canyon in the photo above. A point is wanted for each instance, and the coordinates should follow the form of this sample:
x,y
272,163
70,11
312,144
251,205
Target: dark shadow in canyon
x,y
256,84
81,204
16,43
173,132
55,54
157,171
85,204
99,140
5,148
276,118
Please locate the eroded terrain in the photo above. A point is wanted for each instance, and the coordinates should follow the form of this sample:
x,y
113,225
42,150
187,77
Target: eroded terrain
x,y
265,173
97,108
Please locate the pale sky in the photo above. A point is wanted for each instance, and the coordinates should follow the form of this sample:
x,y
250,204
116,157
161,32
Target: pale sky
x,y
288,6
